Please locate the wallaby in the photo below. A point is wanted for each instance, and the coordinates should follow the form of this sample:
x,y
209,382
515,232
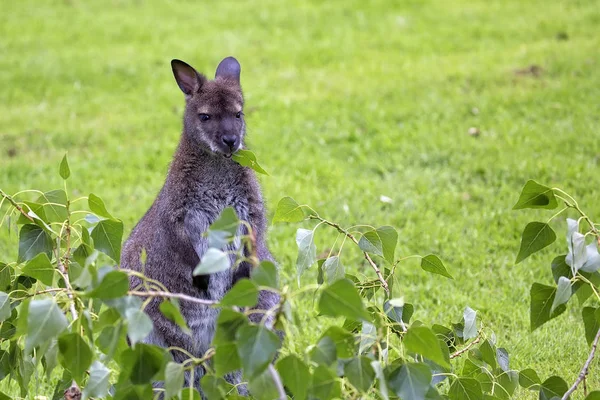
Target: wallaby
x,y
201,182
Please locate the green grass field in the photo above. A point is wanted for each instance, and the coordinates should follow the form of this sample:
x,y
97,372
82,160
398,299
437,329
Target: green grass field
x,y
346,101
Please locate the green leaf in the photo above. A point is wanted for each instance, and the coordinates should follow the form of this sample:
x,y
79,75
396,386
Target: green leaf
x,y
288,211
324,353
360,373
214,260
470,328
325,384
35,211
50,360
112,341
536,236
226,359
222,231
554,386
422,340
380,375
368,337
228,322
295,375
432,263
141,363
76,355
381,241
97,384
433,394
529,379
595,395
397,310
64,169
389,240
542,297
5,276
503,359
265,274
465,389
174,375
262,386
344,341
592,263
170,309
486,380
411,381
591,323
40,268
508,381
5,310
257,347
307,251
246,158
139,325
107,235
54,204
97,206
44,322
114,284
212,386
535,195
560,268
33,240
227,221
488,354
341,299
243,294
334,269
563,293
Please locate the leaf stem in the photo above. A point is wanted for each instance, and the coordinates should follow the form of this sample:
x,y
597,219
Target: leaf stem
x,y
579,210
180,296
353,238
277,382
65,275
15,205
466,348
584,370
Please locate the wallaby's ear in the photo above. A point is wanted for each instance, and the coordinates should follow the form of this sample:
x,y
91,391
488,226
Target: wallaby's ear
x,y
229,68
187,78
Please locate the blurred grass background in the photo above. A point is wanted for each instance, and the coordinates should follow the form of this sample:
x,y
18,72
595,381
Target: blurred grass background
x,y
346,101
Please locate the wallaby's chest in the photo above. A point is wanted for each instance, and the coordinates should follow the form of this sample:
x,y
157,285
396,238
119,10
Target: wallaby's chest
x,y
212,202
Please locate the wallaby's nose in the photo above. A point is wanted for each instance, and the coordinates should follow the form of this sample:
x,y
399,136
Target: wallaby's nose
x,y
229,141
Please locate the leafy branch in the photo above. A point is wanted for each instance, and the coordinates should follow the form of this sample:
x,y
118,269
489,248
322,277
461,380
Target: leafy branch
x,y
353,239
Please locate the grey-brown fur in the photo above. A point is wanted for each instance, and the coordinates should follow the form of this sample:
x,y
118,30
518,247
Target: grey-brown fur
x,y
201,182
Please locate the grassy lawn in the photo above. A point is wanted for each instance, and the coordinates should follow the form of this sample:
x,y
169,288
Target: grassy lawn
x,y
346,101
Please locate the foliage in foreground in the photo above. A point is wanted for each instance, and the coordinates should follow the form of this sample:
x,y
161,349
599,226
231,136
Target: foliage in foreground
x,y
66,307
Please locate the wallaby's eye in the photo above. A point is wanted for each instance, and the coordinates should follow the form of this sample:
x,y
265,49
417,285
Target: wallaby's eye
x,y
204,117
239,114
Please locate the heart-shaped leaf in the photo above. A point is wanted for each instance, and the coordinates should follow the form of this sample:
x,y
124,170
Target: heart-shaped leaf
x,y
536,236
535,195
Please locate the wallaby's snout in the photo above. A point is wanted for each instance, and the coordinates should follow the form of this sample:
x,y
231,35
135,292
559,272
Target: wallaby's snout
x,y
214,117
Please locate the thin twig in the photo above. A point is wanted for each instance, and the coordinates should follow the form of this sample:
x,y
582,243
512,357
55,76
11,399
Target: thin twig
x,y
277,382
467,347
367,256
16,205
180,296
65,275
585,368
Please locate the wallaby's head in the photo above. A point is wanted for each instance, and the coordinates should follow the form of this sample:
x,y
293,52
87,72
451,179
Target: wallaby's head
x,y
214,117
